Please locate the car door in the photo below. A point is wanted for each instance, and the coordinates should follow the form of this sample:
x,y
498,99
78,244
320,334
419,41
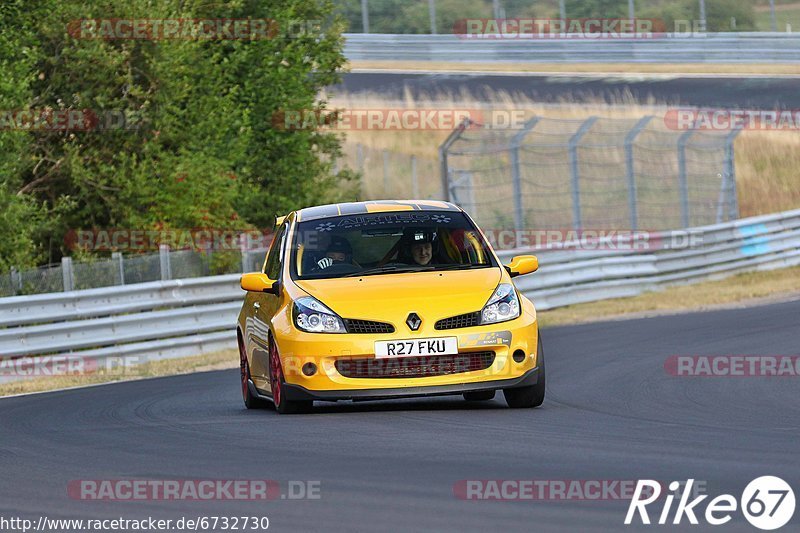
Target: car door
x,y
264,307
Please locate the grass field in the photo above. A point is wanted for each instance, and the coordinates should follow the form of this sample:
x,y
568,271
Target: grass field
x,y
784,14
167,367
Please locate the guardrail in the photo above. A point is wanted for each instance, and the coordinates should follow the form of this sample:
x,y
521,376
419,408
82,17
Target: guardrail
x,y
568,277
749,47
186,317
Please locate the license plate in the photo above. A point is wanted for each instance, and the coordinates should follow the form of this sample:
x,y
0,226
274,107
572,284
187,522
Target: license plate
x,y
416,347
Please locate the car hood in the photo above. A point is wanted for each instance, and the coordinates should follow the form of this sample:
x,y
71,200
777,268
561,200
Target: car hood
x,y
391,297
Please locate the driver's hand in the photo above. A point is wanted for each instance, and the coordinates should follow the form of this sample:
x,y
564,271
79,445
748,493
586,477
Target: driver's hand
x,y
325,262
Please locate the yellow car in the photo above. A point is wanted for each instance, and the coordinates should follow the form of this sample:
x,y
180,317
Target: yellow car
x,y
386,299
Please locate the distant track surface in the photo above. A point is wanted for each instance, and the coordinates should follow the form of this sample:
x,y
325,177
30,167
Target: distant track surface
x,y
734,92
612,413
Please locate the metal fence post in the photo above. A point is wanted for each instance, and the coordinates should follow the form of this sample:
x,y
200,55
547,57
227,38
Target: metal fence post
x,y
16,281
117,256
516,177
444,173
729,181
443,149
574,173
360,166
386,173
67,274
703,22
470,183
414,178
630,171
360,157
244,246
163,255
365,16
683,180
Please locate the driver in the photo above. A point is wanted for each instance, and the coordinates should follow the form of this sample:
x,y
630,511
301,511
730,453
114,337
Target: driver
x,y
417,246
339,251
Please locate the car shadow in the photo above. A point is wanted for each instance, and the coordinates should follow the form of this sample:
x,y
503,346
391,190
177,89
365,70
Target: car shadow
x,y
444,403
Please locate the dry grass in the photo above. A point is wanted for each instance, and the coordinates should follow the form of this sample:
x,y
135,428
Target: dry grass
x,y
766,171
752,287
168,367
766,162
600,68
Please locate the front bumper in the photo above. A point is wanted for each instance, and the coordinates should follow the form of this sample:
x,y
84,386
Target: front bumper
x,y
297,392
503,340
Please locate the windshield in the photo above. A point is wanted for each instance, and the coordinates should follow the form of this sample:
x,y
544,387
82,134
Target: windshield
x,y
387,243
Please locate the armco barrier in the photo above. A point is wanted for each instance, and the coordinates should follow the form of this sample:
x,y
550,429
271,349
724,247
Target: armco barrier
x,y
185,317
749,47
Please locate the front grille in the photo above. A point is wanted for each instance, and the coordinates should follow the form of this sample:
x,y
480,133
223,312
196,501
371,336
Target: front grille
x,y
415,367
367,326
459,321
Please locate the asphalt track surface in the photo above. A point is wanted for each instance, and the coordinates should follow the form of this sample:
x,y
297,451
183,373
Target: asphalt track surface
x,y
728,92
612,413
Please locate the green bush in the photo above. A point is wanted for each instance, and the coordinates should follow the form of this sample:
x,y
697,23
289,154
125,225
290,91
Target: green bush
x,y
202,151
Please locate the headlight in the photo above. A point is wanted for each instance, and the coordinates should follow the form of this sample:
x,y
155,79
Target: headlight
x,y
502,306
311,316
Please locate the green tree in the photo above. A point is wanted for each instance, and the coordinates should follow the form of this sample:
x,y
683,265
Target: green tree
x,y
606,9
20,216
201,150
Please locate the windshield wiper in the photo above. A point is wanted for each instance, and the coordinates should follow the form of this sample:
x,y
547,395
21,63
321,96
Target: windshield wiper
x,y
389,268
459,267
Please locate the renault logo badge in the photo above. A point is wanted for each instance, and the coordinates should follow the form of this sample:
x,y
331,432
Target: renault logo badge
x,y
414,321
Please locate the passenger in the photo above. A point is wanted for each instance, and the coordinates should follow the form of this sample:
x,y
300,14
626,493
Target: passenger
x,y
339,251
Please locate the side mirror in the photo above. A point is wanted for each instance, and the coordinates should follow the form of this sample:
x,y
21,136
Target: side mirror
x,y
522,264
258,282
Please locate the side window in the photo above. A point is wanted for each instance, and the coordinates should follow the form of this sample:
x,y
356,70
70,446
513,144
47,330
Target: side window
x,y
272,267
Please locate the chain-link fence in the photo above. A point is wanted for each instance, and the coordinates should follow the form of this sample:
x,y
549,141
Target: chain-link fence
x,y
444,16
126,270
595,173
388,174
39,280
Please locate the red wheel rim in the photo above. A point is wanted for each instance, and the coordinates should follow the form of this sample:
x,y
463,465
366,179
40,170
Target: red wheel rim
x,y
276,374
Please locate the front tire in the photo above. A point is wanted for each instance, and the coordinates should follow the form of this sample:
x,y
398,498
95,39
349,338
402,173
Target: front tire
x,y
250,401
283,405
532,396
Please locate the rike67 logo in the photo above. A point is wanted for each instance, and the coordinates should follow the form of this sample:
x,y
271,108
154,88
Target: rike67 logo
x,y
767,503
